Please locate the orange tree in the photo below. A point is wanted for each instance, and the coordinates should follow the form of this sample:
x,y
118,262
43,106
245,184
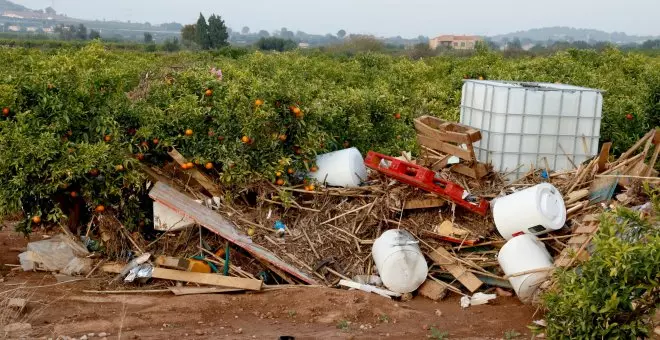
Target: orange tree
x,y
78,122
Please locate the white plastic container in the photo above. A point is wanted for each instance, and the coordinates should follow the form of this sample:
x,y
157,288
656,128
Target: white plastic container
x,y
536,210
399,260
343,168
166,219
522,254
530,123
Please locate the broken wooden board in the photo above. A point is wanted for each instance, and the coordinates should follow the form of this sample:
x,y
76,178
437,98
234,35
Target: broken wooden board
x,y
447,261
446,228
216,223
202,290
461,241
201,278
477,172
576,196
444,147
575,248
638,169
201,178
432,290
603,156
424,203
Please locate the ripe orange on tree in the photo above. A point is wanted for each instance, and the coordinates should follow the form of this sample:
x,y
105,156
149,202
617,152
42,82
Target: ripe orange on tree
x,y
290,171
245,139
190,165
314,169
36,219
189,132
397,116
156,141
119,167
310,187
99,208
208,92
282,137
258,102
74,194
221,138
278,173
107,138
94,172
5,111
209,166
211,133
629,117
140,156
279,182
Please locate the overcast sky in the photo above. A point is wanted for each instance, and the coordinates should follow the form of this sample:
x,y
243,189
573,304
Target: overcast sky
x,y
408,18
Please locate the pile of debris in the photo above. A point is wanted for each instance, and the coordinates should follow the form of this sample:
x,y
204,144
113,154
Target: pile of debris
x,y
375,237
393,226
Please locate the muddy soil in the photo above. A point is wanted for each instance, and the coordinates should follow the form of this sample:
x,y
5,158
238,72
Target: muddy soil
x,y
303,313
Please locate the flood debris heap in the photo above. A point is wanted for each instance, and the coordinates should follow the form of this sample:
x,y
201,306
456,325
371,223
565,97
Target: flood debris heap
x,y
491,205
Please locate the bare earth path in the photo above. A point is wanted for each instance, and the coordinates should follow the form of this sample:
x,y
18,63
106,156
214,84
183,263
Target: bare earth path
x,y
305,313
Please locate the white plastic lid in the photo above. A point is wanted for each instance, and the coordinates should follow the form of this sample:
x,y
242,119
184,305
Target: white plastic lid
x,y
551,205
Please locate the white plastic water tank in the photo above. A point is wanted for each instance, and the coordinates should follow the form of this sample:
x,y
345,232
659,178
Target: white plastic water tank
x,y
399,260
522,254
343,168
536,210
530,123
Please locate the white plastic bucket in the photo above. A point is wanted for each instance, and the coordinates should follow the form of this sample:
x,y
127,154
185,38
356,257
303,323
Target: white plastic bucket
x,y
343,168
522,254
399,260
536,210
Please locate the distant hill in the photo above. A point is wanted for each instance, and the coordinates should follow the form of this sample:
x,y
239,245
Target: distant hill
x,y
10,6
571,34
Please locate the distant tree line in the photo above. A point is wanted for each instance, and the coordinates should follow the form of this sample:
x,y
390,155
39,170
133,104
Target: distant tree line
x,y
209,35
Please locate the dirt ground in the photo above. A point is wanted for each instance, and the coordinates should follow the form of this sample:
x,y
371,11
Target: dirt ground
x,y
303,313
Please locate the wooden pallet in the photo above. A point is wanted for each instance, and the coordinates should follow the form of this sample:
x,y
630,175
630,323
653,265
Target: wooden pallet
x,y
576,246
445,139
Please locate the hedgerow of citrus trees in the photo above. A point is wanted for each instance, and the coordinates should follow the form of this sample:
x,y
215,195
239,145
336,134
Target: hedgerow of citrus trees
x,y
80,121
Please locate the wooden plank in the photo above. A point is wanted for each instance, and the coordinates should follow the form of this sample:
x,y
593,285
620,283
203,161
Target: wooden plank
x,y
218,224
636,146
576,196
477,171
424,203
432,290
444,147
603,156
201,278
199,177
587,228
442,257
654,159
202,290
591,218
578,239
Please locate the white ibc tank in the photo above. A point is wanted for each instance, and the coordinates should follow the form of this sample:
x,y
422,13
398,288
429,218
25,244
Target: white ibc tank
x,y
536,210
522,254
399,260
530,123
343,168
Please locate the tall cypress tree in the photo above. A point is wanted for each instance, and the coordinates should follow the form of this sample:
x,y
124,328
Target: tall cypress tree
x,y
202,31
217,32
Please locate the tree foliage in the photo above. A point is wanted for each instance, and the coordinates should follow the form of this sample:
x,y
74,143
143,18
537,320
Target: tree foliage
x,y
341,34
148,38
610,295
189,33
202,37
94,34
218,35
275,44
